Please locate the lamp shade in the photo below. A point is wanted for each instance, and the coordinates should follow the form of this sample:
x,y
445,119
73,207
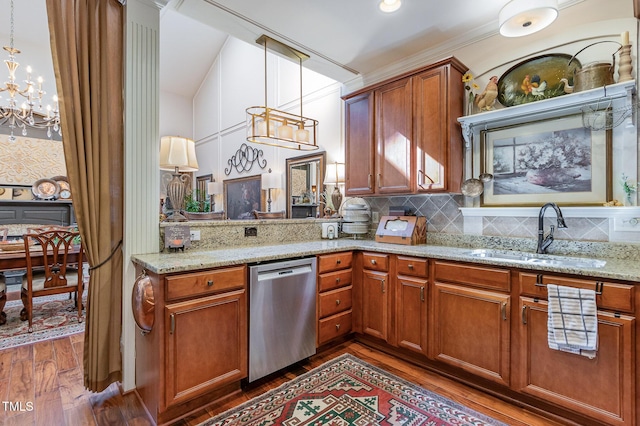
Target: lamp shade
x,y
334,174
271,180
214,188
523,17
176,151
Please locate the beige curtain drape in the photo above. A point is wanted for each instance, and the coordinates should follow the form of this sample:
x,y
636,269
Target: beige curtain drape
x,y
87,47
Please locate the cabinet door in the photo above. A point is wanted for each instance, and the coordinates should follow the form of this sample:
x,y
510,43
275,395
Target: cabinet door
x,y
206,345
375,303
471,330
359,145
411,313
438,140
393,137
600,388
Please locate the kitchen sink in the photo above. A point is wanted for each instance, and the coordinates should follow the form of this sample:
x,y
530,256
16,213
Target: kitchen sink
x,y
537,259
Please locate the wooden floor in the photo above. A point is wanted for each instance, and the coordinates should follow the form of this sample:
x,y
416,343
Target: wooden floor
x,y
49,375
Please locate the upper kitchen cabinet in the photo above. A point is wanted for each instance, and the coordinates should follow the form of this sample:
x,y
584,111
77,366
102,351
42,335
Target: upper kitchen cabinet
x,y
402,135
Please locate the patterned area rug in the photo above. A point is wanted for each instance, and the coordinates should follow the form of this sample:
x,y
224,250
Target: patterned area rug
x,y
53,316
348,391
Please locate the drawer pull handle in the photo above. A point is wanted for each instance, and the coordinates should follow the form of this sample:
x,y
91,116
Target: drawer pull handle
x,y
172,328
422,294
338,261
524,315
337,302
373,261
410,266
210,283
337,326
337,280
503,309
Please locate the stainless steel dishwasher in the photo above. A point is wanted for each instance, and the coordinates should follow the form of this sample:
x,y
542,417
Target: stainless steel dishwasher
x,y
282,315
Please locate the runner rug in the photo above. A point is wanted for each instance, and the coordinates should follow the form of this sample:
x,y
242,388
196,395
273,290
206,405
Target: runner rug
x,y
53,316
348,391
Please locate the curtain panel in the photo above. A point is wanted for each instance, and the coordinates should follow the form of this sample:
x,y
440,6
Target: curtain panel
x,y
87,47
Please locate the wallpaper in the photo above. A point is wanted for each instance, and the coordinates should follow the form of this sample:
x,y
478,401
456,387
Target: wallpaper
x,y
27,159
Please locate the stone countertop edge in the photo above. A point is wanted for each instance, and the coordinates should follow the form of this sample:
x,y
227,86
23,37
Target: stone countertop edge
x,y
163,263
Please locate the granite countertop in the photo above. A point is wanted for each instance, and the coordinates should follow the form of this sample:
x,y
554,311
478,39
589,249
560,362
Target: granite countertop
x,y
162,263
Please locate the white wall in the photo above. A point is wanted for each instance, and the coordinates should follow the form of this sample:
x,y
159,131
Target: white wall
x,y
236,82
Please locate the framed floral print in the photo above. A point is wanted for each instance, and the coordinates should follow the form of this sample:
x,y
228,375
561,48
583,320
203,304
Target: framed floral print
x,y
556,160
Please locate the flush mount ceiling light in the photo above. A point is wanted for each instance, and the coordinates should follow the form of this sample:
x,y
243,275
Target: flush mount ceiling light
x,y
389,6
523,17
270,126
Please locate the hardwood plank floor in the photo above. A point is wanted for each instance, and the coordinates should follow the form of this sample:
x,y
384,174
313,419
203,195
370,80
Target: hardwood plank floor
x,y
49,375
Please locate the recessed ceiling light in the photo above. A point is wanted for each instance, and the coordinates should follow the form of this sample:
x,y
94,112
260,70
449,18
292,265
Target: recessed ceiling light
x,y
523,17
389,6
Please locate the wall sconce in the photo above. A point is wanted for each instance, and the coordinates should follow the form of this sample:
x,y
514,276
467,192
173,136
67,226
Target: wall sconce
x,y
270,181
177,154
335,175
214,188
523,17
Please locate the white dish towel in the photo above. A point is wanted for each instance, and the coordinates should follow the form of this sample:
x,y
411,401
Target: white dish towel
x,y
572,324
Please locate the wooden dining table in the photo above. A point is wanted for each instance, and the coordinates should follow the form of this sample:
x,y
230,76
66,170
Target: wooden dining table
x,y
17,259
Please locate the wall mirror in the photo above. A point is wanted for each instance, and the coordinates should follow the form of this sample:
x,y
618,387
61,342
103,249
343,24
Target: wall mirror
x,y
304,185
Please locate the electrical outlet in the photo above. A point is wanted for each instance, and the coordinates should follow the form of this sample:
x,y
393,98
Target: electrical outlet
x,y
375,217
195,235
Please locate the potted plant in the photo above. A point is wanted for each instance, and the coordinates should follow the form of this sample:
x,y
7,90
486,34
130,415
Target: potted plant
x,y
198,210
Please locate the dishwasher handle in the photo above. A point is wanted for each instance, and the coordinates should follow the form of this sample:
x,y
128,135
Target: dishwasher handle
x,y
284,272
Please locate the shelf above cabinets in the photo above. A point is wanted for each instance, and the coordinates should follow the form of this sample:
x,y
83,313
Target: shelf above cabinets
x,y
621,93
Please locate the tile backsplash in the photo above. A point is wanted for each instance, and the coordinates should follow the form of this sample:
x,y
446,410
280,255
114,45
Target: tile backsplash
x,y
443,216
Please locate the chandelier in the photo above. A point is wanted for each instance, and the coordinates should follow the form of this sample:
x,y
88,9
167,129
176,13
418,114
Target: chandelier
x,y
270,126
24,108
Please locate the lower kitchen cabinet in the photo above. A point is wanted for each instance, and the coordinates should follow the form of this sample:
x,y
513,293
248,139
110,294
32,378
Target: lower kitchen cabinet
x,y
197,350
205,346
411,304
375,295
335,296
601,388
470,324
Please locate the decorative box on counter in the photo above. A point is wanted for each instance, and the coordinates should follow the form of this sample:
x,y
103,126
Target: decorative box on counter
x,y
409,230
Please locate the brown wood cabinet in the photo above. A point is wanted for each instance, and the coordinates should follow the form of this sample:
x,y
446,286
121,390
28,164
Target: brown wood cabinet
x,y
376,289
469,326
335,296
411,303
198,348
601,388
402,135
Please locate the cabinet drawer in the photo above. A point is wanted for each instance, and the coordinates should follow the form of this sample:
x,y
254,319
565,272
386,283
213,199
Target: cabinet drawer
x,y
334,326
332,280
413,266
375,261
617,297
332,302
333,262
480,276
207,282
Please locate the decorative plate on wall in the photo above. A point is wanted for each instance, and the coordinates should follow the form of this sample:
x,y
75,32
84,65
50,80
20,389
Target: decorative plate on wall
x,y
65,188
535,79
46,189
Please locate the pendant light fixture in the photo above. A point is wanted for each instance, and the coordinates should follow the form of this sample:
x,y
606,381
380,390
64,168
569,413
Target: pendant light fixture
x,y
270,126
523,17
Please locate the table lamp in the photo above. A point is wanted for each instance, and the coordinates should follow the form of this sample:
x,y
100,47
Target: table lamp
x,y
335,175
214,188
177,154
270,181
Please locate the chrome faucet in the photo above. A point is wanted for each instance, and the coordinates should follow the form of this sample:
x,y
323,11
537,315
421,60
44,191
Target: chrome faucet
x,y
545,242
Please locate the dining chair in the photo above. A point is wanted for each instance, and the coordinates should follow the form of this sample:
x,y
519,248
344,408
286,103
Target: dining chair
x,y
61,253
269,215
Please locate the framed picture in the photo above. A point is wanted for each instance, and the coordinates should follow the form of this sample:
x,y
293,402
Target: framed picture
x,y
557,161
242,196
